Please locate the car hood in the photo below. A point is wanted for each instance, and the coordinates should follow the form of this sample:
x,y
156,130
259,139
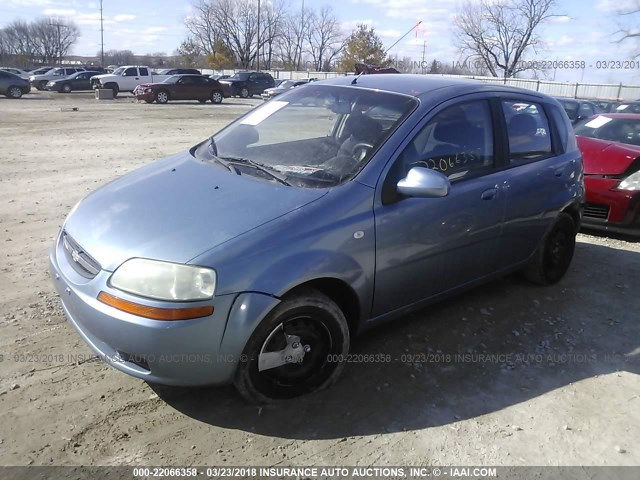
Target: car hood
x,y
105,75
176,209
603,157
146,85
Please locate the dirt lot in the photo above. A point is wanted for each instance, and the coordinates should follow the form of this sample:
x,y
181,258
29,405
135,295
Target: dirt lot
x,y
562,386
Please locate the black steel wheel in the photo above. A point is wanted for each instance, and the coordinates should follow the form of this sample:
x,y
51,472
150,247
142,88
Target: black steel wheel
x,y
295,350
552,260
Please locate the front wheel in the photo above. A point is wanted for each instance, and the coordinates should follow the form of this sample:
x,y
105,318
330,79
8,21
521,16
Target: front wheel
x,y
14,92
552,260
244,93
162,97
66,88
216,97
297,349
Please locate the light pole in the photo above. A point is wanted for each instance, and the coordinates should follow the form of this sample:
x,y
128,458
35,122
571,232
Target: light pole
x,y
258,49
101,38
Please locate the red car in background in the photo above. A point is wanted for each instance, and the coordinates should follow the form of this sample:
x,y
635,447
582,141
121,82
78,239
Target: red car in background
x,y
610,146
183,87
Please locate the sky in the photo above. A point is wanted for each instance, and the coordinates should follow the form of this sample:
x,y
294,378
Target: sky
x,y
579,31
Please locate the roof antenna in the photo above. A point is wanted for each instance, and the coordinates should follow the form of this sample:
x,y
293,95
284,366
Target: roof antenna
x,y
355,80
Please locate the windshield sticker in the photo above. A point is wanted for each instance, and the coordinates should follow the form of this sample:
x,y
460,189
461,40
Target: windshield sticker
x,y
598,122
298,169
266,111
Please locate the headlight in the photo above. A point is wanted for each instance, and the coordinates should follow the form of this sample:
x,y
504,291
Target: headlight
x,y
164,280
632,182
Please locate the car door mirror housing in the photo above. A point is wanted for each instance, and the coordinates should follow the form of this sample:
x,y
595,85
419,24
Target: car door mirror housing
x,y
424,182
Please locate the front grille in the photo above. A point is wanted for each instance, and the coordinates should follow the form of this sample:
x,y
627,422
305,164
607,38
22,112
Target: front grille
x,y
593,210
80,260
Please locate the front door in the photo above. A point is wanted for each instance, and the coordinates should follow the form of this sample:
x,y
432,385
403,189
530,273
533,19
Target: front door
x,y
427,246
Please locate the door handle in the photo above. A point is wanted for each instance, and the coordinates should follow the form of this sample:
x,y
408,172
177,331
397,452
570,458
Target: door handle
x,y
489,194
559,172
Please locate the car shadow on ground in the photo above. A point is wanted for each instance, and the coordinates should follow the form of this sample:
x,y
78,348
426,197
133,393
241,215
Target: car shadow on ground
x,y
610,235
496,346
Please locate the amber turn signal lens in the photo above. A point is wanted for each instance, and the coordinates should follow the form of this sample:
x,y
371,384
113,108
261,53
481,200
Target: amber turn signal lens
x,y
155,313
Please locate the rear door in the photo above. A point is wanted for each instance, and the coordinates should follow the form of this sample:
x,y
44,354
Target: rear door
x,y
427,246
542,168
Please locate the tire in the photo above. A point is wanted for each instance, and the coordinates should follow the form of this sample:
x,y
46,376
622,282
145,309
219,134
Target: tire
x,y
552,259
216,96
244,92
66,88
113,87
14,92
42,85
162,96
322,333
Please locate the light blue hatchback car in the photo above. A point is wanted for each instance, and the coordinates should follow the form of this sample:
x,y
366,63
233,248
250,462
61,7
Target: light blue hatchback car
x,y
256,256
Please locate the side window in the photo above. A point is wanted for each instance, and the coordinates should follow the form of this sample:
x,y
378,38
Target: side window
x,y
559,120
458,142
252,78
130,72
585,110
144,72
528,131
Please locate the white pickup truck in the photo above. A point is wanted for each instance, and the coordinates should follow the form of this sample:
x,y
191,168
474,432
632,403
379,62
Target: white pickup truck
x,y
125,79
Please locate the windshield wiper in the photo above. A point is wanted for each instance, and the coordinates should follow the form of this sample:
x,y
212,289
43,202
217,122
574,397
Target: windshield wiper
x,y
257,165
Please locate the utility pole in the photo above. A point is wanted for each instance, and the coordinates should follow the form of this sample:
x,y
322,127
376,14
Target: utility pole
x,y
258,52
59,26
101,37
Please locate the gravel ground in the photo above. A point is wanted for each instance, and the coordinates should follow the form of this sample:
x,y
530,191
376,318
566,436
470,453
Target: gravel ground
x,y
507,374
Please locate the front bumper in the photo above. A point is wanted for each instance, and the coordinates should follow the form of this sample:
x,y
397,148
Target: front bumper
x,y
188,353
611,209
142,95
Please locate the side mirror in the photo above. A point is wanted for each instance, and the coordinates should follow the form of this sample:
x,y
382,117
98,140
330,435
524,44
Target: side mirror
x,y
424,182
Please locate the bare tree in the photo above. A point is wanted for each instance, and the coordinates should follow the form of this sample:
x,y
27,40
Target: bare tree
x,y
202,26
18,40
628,28
272,17
291,43
119,57
189,52
500,33
324,37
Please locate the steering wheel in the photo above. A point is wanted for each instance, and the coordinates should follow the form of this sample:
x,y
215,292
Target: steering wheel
x,y
360,150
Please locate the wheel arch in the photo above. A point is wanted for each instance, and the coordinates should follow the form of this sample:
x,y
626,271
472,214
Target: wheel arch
x,y
575,212
340,292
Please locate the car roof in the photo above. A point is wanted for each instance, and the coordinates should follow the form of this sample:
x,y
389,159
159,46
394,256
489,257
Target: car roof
x,y
417,85
624,116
